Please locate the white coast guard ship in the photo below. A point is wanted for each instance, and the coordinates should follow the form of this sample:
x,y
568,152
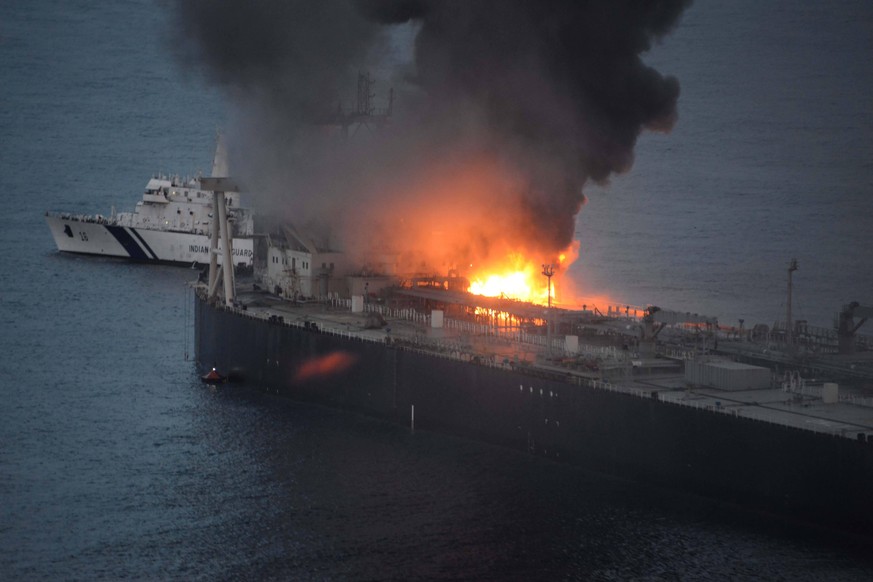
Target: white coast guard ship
x,y
171,224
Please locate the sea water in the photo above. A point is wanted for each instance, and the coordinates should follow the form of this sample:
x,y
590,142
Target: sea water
x,y
116,462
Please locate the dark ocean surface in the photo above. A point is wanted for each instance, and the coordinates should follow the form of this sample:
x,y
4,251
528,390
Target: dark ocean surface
x,y
115,462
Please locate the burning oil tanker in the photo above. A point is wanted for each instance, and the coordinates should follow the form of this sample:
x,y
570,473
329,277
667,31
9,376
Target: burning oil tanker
x,y
670,402
506,111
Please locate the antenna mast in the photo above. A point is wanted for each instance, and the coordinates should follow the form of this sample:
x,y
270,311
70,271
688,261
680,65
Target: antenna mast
x,y
364,113
789,335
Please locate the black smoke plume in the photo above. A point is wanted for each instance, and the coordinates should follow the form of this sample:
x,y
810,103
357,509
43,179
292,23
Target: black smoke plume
x,y
545,94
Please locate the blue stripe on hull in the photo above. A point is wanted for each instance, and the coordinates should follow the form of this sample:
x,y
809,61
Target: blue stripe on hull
x,y
144,243
125,240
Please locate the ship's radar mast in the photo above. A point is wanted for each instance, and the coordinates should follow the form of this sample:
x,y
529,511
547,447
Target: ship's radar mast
x,y
365,113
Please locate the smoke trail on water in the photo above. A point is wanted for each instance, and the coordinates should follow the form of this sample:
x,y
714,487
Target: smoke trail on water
x,y
506,111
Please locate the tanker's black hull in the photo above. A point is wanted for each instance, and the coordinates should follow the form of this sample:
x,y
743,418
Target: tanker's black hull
x,y
757,464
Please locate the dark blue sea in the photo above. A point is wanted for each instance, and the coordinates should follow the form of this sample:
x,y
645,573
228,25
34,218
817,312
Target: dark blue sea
x,y
116,462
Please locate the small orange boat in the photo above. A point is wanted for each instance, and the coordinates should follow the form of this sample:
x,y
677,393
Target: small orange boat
x,y
213,377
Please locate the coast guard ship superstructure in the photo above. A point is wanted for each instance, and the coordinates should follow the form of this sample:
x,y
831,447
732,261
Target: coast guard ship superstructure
x,y
171,224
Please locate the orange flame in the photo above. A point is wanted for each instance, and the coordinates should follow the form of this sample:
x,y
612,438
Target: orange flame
x,y
468,217
327,365
523,279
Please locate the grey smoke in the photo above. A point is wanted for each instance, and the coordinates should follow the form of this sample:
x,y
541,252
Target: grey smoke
x,y
552,93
